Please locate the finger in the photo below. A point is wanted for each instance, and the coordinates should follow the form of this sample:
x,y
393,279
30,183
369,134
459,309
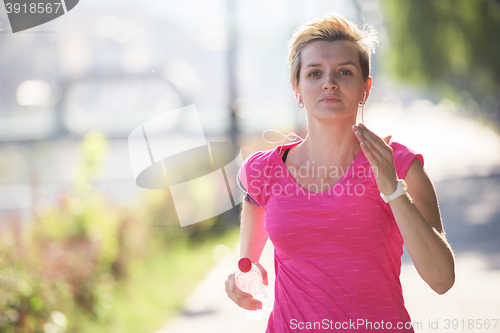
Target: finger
x,y
248,303
370,154
233,290
263,271
387,139
245,300
241,298
238,293
370,134
368,148
376,141
252,304
359,135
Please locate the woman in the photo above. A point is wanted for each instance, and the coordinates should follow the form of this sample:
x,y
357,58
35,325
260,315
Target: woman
x,y
339,204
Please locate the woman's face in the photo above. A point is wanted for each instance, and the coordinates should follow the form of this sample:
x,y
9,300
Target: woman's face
x,y
331,84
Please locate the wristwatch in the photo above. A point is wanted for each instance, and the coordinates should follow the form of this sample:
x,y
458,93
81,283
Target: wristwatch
x,y
400,190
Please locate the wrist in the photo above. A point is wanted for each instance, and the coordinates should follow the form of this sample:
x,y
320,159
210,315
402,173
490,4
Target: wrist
x,y
401,198
390,189
400,190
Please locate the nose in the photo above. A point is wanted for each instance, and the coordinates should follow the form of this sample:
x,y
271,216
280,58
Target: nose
x,y
330,82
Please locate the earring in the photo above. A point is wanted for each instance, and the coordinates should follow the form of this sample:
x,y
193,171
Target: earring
x,y
298,101
361,105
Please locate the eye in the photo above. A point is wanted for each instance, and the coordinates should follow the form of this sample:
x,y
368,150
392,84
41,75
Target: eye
x,y
345,72
314,73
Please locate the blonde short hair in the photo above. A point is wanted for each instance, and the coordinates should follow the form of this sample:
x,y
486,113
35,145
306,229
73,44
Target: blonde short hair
x,y
332,27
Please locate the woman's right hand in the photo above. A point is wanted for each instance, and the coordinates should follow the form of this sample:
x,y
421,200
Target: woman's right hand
x,y
241,298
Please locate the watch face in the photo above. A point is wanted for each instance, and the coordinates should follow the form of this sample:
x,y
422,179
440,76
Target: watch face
x,y
403,185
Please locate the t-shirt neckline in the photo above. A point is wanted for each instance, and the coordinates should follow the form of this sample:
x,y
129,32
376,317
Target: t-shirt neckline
x,y
293,181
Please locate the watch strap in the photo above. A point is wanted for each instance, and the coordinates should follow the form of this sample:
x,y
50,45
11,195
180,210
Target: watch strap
x,y
400,190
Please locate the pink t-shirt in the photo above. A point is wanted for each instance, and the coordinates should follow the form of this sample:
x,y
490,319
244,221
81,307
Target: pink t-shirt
x,y
337,252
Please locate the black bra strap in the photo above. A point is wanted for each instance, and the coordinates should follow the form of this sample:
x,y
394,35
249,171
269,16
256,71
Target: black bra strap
x,y
285,155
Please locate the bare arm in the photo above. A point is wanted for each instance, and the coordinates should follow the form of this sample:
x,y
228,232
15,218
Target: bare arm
x,y
422,230
253,238
419,221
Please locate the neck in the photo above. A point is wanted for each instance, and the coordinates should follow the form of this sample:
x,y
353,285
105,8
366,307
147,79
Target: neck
x,y
329,143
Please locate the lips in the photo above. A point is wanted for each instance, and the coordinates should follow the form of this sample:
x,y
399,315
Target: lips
x,y
330,98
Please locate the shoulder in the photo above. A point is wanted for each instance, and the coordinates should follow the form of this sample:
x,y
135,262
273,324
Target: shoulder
x,y
423,193
257,160
254,164
401,150
259,156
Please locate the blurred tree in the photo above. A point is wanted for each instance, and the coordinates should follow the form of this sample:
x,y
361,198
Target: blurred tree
x,y
450,46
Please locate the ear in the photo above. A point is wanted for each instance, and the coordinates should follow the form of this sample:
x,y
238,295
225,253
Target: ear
x,y
368,87
296,92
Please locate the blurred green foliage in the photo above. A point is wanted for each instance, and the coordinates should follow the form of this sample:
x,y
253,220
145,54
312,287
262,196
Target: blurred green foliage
x,y
448,46
84,265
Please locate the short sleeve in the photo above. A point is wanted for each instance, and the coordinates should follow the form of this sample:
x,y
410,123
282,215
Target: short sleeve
x,y
251,177
251,200
403,157
244,190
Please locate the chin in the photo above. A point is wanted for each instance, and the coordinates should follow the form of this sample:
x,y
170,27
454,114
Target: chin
x,y
332,112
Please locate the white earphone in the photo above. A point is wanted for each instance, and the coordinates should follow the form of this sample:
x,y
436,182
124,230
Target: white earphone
x,y
298,102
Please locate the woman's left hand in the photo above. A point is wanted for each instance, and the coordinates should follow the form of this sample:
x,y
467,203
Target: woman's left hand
x,y
379,154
